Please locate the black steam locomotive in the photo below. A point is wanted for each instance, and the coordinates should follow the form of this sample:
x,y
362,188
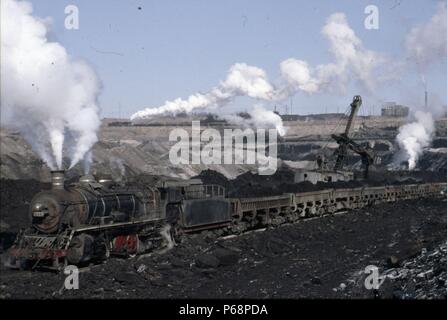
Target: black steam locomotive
x,y
91,219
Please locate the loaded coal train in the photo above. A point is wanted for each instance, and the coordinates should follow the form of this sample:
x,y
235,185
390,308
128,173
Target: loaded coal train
x,y
91,219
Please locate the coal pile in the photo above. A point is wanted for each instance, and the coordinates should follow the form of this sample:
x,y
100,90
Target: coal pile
x,y
15,197
249,184
439,143
213,177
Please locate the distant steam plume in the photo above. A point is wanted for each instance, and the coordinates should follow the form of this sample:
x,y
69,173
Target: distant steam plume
x,y
242,80
426,45
352,62
259,117
45,93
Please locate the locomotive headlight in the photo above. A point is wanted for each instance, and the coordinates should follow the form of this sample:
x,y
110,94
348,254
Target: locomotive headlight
x,y
45,212
39,210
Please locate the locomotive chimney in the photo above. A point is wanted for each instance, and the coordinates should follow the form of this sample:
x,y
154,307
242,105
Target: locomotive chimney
x,y
58,179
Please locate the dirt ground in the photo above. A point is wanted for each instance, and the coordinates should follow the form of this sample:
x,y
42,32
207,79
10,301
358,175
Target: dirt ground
x,y
315,258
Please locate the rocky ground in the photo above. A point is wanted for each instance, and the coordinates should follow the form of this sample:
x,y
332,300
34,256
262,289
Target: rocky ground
x,y
317,258
421,277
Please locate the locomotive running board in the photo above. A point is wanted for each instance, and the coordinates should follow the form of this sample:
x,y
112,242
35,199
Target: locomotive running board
x,y
114,225
206,227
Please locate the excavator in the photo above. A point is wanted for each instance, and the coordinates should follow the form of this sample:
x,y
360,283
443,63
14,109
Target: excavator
x,y
346,143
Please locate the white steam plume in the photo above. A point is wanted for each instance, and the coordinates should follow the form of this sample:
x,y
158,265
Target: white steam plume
x,y
266,118
352,62
414,137
87,161
242,80
426,44
259,118
118,164
45,93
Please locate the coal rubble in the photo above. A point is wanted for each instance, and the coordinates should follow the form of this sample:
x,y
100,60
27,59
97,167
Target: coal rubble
x,y
250,184
423,277
315,258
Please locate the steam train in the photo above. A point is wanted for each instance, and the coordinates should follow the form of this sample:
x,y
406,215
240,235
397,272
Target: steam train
x,y
92,219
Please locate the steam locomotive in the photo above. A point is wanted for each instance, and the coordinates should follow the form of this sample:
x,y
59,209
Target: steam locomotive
x,y
92,219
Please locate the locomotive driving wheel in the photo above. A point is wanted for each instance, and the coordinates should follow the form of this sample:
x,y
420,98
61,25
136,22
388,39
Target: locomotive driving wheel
x,y
101,247
80,249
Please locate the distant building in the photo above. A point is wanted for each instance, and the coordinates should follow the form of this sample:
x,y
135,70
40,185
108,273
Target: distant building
x,y
315,176
322,116
290,117
391,109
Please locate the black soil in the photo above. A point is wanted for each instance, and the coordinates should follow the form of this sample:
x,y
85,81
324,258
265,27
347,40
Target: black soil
x,y
313,258
15,197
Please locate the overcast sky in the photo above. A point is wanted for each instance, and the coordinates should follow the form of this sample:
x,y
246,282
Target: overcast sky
x,y
147,52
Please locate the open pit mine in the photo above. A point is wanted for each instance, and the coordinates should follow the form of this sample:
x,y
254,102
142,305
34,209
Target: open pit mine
x,y
139,226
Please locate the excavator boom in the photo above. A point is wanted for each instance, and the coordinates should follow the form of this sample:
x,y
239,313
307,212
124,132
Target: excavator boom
x,y
345,143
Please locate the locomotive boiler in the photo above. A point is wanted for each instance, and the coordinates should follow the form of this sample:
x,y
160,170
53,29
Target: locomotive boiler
x,y
89,202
